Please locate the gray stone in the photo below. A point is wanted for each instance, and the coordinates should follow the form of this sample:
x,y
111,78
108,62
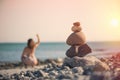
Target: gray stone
x,y
67,76
22,73
1,76
83,77
78,70
49,65
51,77
54,64
40,78
88,62
25,78
69,72
66,68
42,73
101,76
88,71
62,72
15,76
46,69
29,74
53,73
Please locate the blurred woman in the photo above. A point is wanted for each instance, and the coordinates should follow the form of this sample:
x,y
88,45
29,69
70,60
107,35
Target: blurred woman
x,y
28,56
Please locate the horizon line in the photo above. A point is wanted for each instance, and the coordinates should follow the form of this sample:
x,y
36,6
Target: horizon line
x,y
59,41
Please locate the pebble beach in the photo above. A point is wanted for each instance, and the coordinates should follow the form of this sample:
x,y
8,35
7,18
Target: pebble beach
x,y
54,69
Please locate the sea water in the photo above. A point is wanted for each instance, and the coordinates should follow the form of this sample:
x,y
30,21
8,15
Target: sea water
x,y
12,51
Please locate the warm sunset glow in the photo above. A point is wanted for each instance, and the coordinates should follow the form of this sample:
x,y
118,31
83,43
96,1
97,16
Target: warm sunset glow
x,y
114,22
21,19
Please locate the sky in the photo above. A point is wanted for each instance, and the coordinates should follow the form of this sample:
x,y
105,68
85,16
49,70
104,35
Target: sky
x,y
52,19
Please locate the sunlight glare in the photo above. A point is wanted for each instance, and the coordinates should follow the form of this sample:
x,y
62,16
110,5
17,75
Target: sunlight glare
x,y
114,22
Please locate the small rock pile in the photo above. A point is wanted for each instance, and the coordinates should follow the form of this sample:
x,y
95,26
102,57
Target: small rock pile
x,y
49,72
77,42
88,63
76,68
113,62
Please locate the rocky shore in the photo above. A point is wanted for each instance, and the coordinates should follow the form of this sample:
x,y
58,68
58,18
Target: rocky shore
x,y
13,65
87,68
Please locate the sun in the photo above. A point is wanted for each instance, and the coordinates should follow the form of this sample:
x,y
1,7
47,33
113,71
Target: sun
x,y
114,22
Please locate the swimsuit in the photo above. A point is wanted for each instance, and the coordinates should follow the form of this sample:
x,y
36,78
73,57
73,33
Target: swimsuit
x,y
28,60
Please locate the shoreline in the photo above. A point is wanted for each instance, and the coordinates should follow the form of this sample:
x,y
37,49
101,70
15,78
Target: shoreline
x,y
17,64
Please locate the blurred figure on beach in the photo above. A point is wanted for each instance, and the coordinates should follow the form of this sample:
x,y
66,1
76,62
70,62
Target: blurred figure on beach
x,y
77,41
28,56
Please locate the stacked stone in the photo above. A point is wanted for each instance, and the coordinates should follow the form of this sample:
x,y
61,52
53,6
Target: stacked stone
x,y
77,42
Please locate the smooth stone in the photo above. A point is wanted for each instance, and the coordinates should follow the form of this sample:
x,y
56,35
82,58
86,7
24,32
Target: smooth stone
x,y
59,60
76,76
51,77
62,72
101,76
36,74
80,51
1,76
54,64
49,65
53,73
22,73
88,71
76,38
69,72
82,77
29,74
67,76
40,78
12,77
15,76
66,68
87,62
42,73
78,70
76,27
46,69
25,78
